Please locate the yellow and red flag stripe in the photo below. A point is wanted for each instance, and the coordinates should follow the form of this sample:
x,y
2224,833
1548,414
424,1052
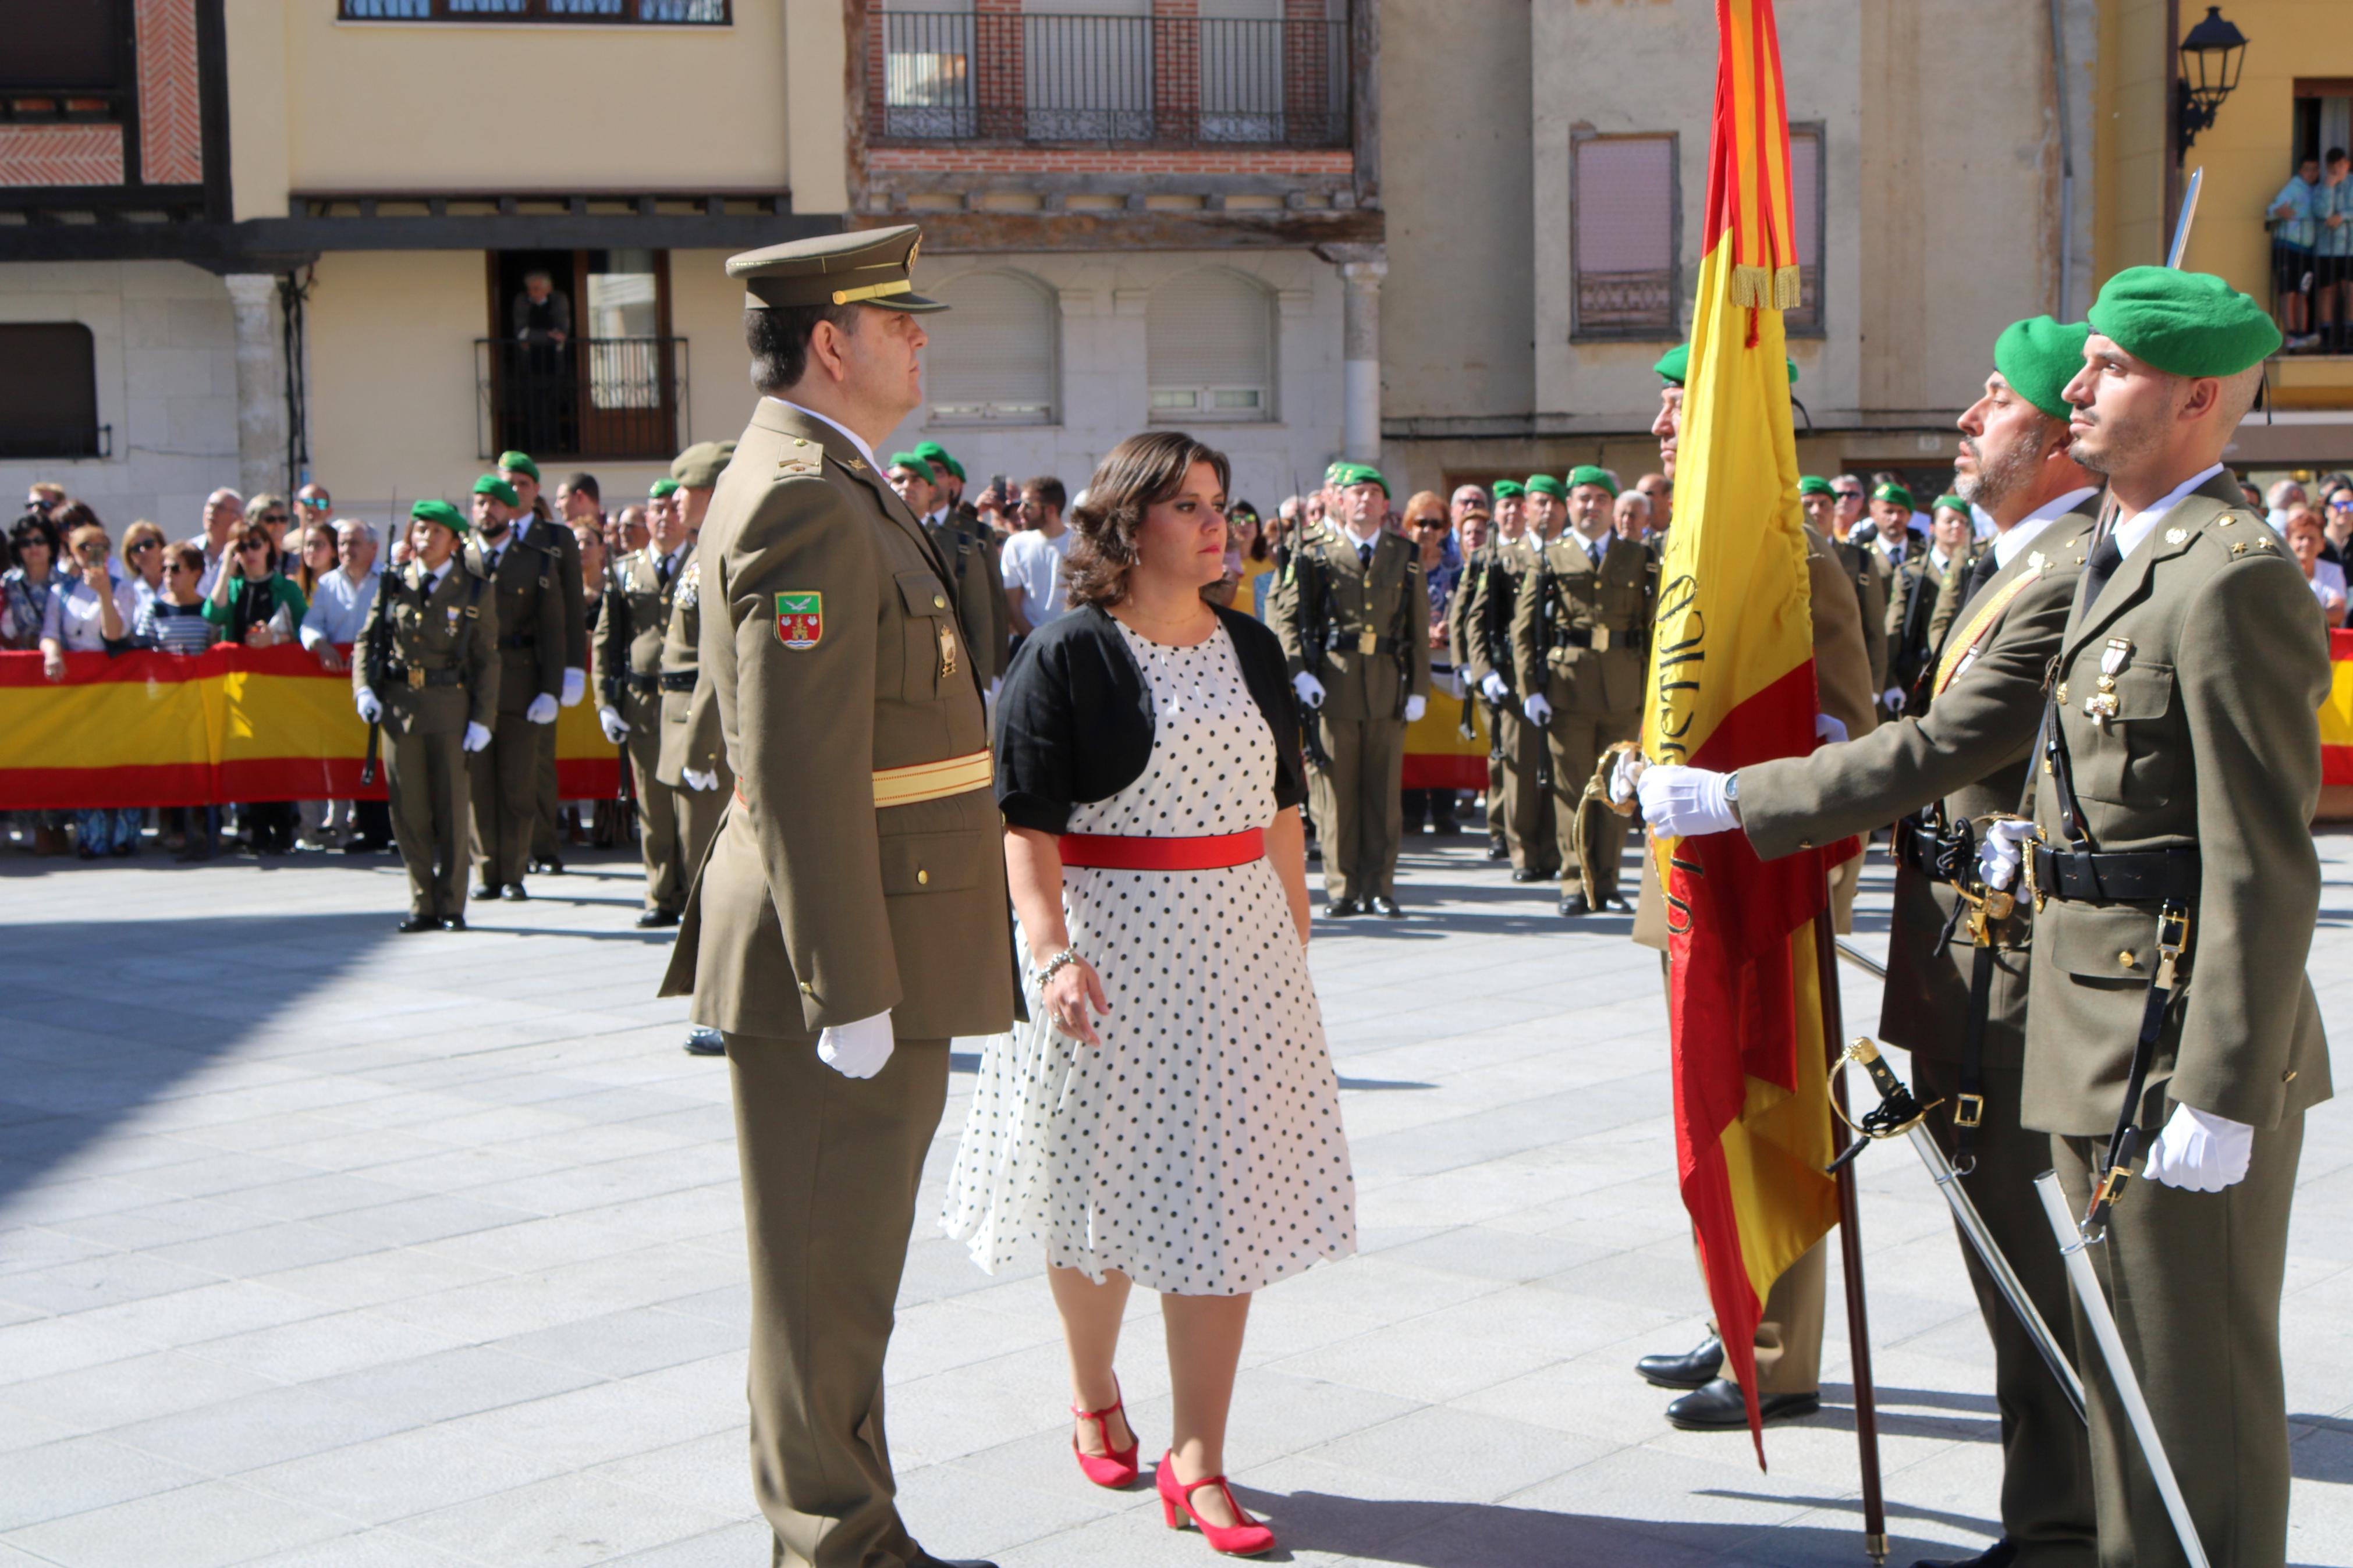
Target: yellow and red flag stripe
x,y
1731,683
231,724
2336,713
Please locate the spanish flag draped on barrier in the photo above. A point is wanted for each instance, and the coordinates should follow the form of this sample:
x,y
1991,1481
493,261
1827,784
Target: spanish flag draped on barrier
x,y
1731,682
232,724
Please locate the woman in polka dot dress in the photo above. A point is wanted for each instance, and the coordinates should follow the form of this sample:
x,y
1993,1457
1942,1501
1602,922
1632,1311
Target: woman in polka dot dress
x,y
1169,1116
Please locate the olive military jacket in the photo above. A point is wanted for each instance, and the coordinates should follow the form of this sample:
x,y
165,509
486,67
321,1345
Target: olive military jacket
x,y
833,660
690,730
632,629
1911,629
531,616
1375,623
1489,599
976,582
429,634
553,536
1868,571
2212,648
1599,635
1970,748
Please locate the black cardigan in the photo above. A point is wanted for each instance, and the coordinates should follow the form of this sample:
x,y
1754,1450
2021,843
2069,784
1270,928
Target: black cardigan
x,y
1074,720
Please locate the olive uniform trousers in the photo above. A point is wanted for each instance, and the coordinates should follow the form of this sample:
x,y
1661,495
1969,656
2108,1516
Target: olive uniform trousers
x,y
1359,811
660,813
430,786
1527,809
505,783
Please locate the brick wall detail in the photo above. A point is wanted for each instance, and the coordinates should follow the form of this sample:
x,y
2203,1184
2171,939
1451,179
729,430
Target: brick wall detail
x,y
171,136
60,154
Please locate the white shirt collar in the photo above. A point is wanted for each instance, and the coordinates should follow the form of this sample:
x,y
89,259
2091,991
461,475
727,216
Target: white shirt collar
x,y
854,438
433,578
2130,534
1358,542
2008,544
1939,557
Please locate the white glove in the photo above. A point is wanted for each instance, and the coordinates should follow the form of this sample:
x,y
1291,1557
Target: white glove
x,y
371,711
1494,688
476,737
1626,776
616,728
1999,852
703,782
1683,803
1414,707
856,1050
542,709
1539,711
1891,699
575,686
1829,729
1309,690
2200,1152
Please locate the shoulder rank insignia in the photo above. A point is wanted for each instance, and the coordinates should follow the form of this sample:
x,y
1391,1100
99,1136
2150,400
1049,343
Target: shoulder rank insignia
x,y
794,468
800,620
2175,535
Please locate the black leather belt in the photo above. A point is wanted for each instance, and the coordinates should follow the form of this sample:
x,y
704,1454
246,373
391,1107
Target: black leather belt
x,y
520,640
677,680
2124,876
1337,641
1574,637
416,675
642,683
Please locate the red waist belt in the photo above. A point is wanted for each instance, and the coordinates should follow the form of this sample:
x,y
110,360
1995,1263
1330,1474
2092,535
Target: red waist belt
x,y
1118,852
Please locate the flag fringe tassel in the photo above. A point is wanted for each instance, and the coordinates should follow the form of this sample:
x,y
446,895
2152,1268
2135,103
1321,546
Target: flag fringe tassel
x,y
1763,289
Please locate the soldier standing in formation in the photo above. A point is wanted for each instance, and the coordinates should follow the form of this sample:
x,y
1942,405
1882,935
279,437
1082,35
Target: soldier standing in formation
x,y
1473,517
850,916
531,644
1580,643
1819,499
428,670
1354,617
1963,758
1529,837
975,570
1917,589
692,758
536,526
635,625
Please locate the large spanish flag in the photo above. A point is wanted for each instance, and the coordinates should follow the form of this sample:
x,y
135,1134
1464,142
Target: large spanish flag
x,y
1731,682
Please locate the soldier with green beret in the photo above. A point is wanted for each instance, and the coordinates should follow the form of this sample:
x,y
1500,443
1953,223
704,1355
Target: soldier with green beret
x,y
1355,623
663,489
504,774
691,760
631,630
1493,588
849,916
1963,758
1916,584
1815,485
923,479
2177,886
427,669
537,526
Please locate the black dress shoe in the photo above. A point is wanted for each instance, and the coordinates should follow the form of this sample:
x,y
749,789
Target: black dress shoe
x,y
1498,850
1718,1407
2001,1554
654,918
1526,874
702,1041
553,866
927,1561
1573,906
486,892
1341,909
1382,904
366,846
1616,905
1695,1368
515,893
455,923
416,923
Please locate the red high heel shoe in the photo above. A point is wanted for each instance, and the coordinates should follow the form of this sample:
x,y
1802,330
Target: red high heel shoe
x,y
1248,1538
1115,1468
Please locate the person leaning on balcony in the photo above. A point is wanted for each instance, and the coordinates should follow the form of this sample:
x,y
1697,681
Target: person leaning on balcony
x,y
2332,250
2292,234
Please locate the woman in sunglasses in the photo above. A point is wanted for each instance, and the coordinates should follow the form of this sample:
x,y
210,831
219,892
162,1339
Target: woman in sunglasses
x,y
92,612
252,604
143,553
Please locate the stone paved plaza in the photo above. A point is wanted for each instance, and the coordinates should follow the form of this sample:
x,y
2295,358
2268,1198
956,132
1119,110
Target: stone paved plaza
x,y
322,1246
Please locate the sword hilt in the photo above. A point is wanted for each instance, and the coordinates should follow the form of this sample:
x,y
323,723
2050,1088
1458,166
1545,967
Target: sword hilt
x,y
1897,1111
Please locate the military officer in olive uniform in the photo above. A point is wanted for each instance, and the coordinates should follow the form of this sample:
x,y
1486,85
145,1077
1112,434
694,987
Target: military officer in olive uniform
x,y
537,526
954,509
427,669
976,572
633,626
1580,639
1819,500
1917,587
1962,760
1490,596
691,760
522,578
2177,888
1356,629
850,916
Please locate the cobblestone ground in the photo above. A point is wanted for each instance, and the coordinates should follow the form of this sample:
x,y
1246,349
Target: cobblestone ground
x,y
324,1246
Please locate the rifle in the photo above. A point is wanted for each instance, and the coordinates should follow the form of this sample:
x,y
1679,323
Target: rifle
x,y
1545,608
1311,630
1404,621
374,657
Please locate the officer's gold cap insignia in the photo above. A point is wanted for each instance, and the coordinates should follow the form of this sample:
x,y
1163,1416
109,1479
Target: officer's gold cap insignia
x,y
800,619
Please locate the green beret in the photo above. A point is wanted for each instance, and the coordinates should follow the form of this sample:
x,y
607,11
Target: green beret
x,y
1815,485
699,467
518,463
662,487
1586,474
491,485
1508,489
1546,485
439,511
1896,493
940,458
1333,470
2038,357
1362,474
1950,503
1673,365
915,461
2184,323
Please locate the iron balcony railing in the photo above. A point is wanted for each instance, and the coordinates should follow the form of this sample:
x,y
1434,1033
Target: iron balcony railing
x,y
615,398
651,13
1162,80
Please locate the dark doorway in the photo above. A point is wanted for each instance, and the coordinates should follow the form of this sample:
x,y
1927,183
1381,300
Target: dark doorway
x,y
535,392
589,369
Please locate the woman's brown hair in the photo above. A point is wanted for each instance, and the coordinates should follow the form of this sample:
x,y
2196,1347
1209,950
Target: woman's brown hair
x,y
1137,474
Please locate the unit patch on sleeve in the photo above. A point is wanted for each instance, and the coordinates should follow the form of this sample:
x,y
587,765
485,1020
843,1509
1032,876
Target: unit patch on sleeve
x,y
800,619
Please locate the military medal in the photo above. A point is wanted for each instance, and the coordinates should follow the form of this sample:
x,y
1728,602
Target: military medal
x,y
947,651
2101,706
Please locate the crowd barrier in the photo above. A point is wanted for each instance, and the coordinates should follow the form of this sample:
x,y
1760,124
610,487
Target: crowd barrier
x,y
231,724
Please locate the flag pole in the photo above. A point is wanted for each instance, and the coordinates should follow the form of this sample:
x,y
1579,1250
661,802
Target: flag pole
x,y
1858,1320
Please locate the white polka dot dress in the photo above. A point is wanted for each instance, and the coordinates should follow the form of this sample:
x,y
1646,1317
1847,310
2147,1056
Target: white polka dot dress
x,y
1199,1150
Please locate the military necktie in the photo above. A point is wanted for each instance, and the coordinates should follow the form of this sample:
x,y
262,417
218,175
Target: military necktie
x,y
2105,558
662,570
1593,552
1365,554
1980,575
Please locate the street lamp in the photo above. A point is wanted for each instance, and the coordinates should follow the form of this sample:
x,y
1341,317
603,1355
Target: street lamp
x,y
2210,57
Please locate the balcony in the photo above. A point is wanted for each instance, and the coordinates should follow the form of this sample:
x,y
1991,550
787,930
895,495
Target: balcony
x,y
617,399
1058,80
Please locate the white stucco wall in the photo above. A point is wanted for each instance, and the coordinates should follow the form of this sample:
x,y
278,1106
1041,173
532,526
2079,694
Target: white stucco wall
x,y
165,347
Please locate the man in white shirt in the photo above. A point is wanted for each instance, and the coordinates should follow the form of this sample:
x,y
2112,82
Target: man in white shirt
x,y
1035,557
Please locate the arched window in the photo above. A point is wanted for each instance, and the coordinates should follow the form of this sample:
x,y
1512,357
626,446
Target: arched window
x,y
1210,344
992,358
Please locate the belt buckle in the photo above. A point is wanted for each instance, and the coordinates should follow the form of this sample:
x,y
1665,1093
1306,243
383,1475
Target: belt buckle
x,y
1601,639
2172,936
416,678
1968,1110
1369,641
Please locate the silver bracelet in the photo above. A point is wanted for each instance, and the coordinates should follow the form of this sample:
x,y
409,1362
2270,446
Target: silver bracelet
x,y
1044,975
